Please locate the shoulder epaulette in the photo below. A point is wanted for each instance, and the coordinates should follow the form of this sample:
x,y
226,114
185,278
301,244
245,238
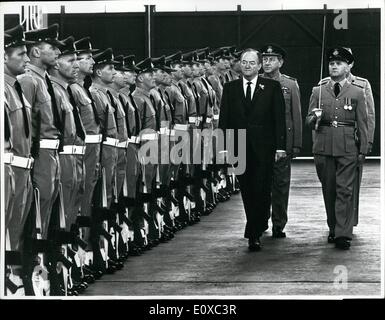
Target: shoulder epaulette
x,y
361,79
324,80
357,85
288,77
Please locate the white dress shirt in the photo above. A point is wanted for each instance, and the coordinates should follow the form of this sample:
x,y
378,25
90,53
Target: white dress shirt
x,y
252,85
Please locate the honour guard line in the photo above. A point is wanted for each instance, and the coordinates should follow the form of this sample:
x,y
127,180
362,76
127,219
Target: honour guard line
x,y
80,199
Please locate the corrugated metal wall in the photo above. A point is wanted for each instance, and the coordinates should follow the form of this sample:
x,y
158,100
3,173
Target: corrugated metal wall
x,y
299,32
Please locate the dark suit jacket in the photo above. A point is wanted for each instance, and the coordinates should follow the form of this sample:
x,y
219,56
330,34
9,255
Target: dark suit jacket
x,y
264,119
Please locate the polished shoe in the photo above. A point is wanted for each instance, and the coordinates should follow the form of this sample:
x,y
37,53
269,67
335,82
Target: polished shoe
x,y
331,238
111,269
342,243
97,274
278,233
89,278
254,244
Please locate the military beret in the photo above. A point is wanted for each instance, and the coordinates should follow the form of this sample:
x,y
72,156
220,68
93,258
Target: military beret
x,y
340,54
49,35
105,57
145,66
68,46
129,63
83,45
273,50
15,37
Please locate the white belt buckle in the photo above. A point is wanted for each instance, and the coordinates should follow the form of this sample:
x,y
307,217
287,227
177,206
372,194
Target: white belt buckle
x,y
79,150
8,158
216,116
93,138
192,120
22,162
208,120
335,124
49,144
163,130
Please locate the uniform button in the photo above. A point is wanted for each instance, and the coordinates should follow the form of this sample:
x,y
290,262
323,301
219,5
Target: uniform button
x,y
336,117
336,108
289,129
336,99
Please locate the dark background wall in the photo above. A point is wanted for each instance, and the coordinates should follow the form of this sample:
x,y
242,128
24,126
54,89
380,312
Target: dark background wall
x,y
299,32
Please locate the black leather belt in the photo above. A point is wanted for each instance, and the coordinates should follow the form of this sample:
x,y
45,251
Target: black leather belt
x,y
337,124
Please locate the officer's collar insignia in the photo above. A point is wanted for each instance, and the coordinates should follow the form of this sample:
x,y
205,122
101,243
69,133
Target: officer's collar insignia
x,y
112,56
152,65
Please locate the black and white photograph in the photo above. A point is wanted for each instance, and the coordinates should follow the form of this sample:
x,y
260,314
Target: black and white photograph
x,y
191,150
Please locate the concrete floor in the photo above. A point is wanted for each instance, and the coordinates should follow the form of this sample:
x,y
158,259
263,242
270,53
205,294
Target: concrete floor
x,y
211,258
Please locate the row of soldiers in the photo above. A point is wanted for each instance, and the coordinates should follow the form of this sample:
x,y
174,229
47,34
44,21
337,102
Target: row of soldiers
x,y
79,196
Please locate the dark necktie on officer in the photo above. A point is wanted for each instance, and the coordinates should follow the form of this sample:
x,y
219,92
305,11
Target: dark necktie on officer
x,y
115,107
156,113
55,111
25,116
137,120
7,127
337,89
78,124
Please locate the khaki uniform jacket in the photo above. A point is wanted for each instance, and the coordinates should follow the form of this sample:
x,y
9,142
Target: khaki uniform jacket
x,y
291,94
339,141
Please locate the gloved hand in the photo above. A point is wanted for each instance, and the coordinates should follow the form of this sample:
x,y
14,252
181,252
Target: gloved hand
x,y
296,152
361,159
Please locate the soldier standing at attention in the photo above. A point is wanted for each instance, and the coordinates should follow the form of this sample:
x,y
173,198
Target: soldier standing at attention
x,y
337,112
103,74
90,120
47,138
272,60
365,85
17,157
37,88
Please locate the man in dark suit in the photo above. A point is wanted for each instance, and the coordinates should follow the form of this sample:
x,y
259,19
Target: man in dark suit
x,y
257,105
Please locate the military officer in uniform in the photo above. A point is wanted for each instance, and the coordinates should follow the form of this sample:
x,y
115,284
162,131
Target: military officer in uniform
x,y
47,140
133,170
103,74
123,133
338,114
91,124
272,60
150,127
37,88
365,85
18,160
